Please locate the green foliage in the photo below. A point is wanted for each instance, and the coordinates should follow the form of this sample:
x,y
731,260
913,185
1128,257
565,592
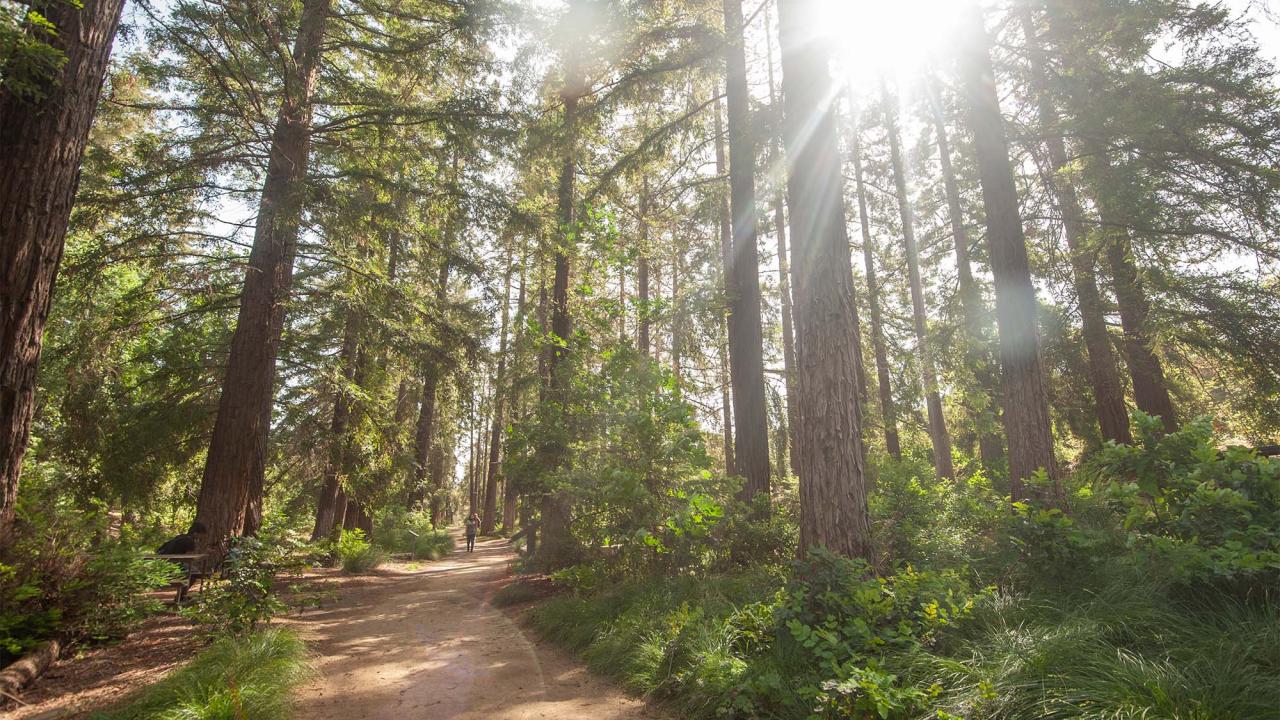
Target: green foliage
x,y
357,555
403,531
246,676
66,575
1099,612
30,62
1200,514
837,620
247,596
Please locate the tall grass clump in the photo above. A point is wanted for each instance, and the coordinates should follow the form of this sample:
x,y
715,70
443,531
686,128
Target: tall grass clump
x,y
249,676
357,555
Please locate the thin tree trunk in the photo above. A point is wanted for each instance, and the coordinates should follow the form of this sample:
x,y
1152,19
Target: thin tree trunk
x,y
985,420
833,491
1104,377
330,486
784,264
42,143
677,348
888,409
489,518
1026,400
643,320
726,252
235,463
746,339
424,436
1150,389
938,435
557,539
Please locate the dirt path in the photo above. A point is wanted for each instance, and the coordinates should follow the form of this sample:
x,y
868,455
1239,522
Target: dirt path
x,y
425,643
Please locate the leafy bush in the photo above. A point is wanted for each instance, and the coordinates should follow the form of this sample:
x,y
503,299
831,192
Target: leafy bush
x,y
836,621
65,575
247,597
402,531
248,676
1203,516
357,555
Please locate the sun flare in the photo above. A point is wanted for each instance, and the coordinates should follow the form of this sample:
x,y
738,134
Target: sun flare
x,y
878,38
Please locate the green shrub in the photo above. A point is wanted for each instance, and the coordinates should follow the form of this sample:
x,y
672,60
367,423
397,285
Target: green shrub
x,y
357,555
66,576
249,676
248,596
1201,515
402,531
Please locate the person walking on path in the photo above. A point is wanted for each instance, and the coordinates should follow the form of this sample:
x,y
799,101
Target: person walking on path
x,y
473,522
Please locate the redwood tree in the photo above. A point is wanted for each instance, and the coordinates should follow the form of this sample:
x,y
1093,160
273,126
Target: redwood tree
x,y
42,141
742,273
833,492
1104,377
232,482
1026,403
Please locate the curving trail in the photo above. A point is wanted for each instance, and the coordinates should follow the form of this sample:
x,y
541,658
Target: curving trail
x,y
426,644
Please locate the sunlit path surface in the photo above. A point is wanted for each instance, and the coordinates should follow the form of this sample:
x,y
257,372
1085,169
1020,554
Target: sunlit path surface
x,y
427,644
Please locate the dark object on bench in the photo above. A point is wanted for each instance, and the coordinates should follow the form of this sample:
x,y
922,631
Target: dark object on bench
x,y
194,568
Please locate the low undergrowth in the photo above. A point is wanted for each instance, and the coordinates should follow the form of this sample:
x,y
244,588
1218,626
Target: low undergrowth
x,y
401,531
248,676
1150,593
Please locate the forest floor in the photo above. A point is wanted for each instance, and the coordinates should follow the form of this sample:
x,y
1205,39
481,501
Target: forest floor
x,y
412,640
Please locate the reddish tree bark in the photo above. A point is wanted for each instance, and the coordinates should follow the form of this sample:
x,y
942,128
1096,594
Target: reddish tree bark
x,y
329,488
42,142
1104,377
1026,403
833,491
557,545
232,482
746,340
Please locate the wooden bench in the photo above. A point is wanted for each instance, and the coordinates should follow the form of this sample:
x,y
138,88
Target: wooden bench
x,y
195,570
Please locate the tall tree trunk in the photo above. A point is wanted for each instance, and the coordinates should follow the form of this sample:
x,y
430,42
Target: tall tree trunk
x,y
1150,389
784,263
235,462
510,496
888,409
990,448
557,539
726,255
642,274
424,434
1104,377
489,518
746,339
677,343
42,143
330,486
1026,401
942,464
436,468
833,492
